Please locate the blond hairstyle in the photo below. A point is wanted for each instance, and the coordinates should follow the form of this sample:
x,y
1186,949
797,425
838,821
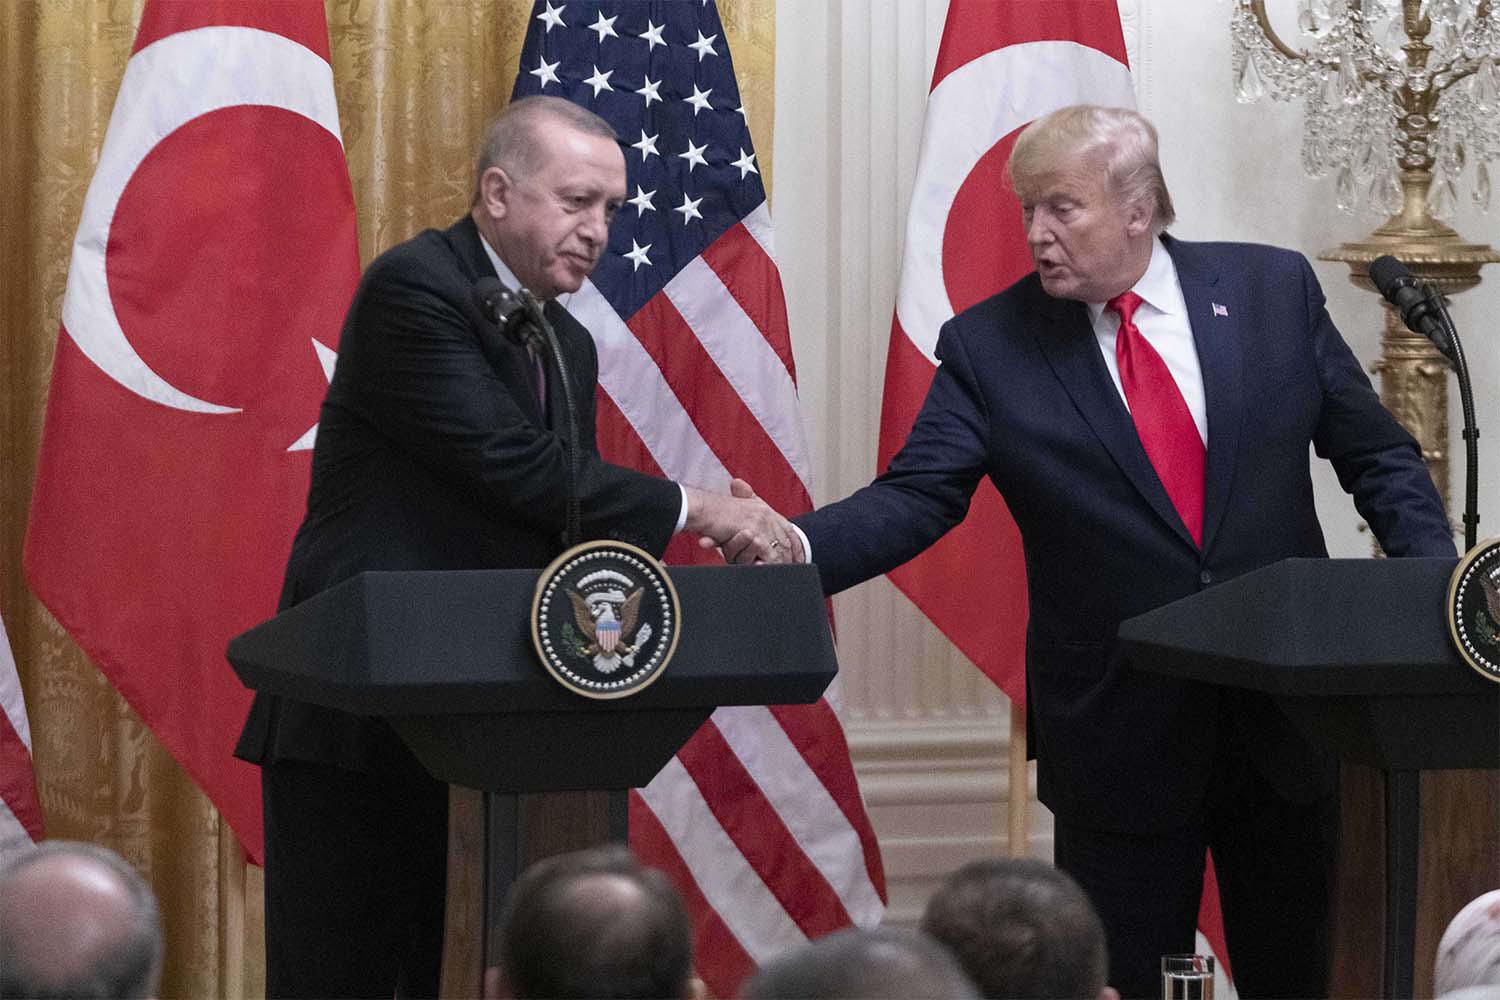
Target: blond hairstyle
x,y
1123,140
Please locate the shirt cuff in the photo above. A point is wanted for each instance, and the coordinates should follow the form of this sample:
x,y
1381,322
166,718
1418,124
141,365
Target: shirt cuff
x,y
682,511
806,545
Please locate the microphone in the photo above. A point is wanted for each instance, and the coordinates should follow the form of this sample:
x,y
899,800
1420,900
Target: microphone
x,y
506,309
1418,310
521,320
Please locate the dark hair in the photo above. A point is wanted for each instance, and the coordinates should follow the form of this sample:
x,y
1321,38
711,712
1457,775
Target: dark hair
x,y
855,964
128,966
568,931
1020,928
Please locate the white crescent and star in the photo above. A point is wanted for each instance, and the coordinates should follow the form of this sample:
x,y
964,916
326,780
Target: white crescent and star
x,y
968,112
167,84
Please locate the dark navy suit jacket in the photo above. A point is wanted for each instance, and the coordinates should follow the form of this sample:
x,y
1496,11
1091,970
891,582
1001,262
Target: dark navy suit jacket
x,y
433,452
1022,395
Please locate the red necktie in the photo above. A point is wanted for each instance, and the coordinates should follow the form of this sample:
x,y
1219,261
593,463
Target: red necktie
x,y
1162,418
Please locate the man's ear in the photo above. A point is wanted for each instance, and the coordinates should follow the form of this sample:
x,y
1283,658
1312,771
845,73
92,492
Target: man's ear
x,y
698,989
1109,993
495,191
1139,214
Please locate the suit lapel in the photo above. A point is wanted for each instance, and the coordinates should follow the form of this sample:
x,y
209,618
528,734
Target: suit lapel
x,y
1214,312
1067,339
511,363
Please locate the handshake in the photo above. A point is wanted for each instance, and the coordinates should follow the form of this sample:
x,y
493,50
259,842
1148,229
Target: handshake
x,y
742,526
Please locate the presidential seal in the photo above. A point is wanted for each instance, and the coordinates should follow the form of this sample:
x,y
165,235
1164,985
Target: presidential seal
x,y
605,619
1474,608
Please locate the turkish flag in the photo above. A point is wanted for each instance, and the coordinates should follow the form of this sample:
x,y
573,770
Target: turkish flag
x,y
213,264
999,67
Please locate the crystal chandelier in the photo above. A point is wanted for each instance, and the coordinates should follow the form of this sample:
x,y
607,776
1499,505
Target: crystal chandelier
x,y
1402,96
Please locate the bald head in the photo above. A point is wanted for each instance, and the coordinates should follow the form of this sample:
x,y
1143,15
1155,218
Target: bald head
x,y
595,924
77,921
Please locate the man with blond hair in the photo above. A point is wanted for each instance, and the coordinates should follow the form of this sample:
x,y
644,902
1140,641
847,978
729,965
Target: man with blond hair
x,y
1145,406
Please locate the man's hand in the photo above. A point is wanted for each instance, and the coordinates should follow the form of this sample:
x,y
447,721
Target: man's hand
x,y
742,526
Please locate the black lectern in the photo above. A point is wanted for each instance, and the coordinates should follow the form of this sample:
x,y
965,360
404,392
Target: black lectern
x,y
447,659
1356,652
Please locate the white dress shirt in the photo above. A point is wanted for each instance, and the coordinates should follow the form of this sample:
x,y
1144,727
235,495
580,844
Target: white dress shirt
x,y
1163,320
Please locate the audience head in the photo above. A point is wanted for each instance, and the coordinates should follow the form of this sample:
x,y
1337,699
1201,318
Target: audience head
x,y
1468,956
77,921
1021,928
853,964
595,923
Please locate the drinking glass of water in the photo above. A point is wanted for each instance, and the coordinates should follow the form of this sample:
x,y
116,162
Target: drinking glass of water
x,y
1187,977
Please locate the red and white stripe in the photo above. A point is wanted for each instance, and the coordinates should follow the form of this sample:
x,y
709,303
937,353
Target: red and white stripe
x,y
20,808
759,815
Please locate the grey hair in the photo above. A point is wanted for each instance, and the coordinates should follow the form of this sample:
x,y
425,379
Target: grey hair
x,y
510,140
132,970
1469,953
1124,139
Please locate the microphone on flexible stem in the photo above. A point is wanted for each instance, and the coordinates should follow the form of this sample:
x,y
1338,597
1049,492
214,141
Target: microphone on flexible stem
x,y
1419,304
521,319
506,309
1423,311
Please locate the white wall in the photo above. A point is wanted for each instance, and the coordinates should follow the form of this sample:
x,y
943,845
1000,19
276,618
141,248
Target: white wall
x,y
851,83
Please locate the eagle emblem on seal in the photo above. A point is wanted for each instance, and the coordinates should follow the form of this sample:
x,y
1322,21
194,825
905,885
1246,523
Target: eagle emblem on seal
x,y
607,610
1489,616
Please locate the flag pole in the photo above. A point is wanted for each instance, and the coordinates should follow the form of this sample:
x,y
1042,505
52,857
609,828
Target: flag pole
x,y
1019,803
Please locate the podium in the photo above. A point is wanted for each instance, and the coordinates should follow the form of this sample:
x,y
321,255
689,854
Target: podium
x,y
446,658
1356,652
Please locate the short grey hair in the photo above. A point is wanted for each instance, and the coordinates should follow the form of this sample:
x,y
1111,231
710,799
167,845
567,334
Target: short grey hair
x,y
510,139
131,969
1125,140
1020,928
863,964
1469,953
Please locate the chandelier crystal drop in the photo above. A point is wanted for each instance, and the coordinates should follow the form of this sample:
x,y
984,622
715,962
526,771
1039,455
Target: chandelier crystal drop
x,y
1390,88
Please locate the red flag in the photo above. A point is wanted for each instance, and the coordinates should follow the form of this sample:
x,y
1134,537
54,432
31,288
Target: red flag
x,y
20,809
999,67
212,267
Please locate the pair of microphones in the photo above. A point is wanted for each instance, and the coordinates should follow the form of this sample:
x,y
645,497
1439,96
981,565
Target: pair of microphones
x,y
1420,304
1423,311
518,313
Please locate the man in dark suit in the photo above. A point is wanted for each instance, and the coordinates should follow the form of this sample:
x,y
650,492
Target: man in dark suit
x,y
437,449
1145,407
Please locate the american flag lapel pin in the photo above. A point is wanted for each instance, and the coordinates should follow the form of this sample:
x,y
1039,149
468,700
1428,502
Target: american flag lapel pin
x,y
1220,310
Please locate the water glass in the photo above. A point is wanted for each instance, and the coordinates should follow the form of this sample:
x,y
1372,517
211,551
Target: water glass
x,y
1187,977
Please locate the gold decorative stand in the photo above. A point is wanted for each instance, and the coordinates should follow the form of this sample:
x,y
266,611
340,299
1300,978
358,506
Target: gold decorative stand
x,y
1352,81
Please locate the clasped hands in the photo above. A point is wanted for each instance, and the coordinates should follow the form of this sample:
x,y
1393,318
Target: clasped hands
x,y
742,526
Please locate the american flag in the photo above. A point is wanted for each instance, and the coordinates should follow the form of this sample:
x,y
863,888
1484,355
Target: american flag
x,y
758,819
20,810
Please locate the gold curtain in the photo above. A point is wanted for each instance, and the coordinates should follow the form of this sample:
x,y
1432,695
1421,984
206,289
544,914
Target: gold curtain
x,y
416,79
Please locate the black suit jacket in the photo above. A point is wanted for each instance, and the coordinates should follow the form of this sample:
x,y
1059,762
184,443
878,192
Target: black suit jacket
x,y
433,453
1022,395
